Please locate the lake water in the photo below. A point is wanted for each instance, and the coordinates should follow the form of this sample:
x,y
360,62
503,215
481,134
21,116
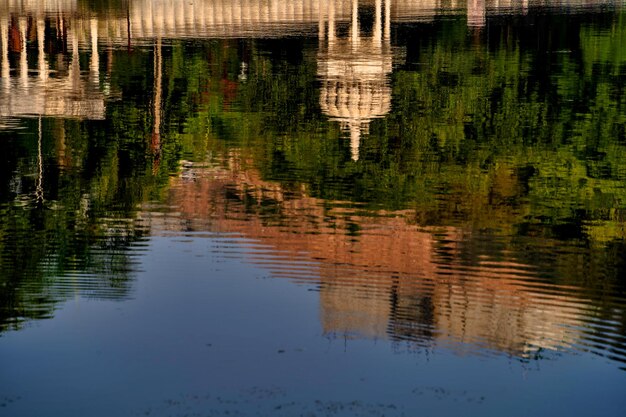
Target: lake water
x,y
312,208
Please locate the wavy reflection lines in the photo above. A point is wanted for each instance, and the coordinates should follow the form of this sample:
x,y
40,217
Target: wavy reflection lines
x,y
96,261
389,279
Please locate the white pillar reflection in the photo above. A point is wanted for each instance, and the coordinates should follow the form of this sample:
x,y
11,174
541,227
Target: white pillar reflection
x,y
5,66
42,64
377,30
94,62
354,25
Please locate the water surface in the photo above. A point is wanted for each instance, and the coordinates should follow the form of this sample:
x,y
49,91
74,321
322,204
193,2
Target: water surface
x,y
331,208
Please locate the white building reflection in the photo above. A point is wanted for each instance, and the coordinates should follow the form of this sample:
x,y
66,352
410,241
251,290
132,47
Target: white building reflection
x,y
38,90
354,71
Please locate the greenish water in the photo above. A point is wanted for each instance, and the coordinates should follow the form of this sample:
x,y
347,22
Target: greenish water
x,y
328,208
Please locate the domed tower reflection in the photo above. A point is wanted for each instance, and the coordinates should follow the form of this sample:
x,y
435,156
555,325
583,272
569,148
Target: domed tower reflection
x,y
354,71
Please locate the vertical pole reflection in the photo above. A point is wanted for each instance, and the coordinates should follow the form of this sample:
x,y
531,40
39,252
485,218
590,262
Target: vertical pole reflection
x,y
39,183
354,90
155,143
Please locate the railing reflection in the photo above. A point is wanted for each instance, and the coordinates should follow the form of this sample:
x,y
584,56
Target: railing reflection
x,y
244,18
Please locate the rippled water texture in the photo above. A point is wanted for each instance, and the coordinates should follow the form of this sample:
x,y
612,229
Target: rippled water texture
x,y
312,208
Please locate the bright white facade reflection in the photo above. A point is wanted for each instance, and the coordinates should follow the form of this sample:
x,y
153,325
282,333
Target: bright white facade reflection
x,y
65,91
355,70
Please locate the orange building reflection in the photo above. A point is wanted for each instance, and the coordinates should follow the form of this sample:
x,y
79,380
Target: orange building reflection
x,y
379,276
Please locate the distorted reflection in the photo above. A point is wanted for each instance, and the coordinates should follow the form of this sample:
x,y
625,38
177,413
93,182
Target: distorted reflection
x,y
394,280
455,238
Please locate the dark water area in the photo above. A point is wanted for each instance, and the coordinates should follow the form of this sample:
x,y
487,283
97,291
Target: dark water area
x,y
312,208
